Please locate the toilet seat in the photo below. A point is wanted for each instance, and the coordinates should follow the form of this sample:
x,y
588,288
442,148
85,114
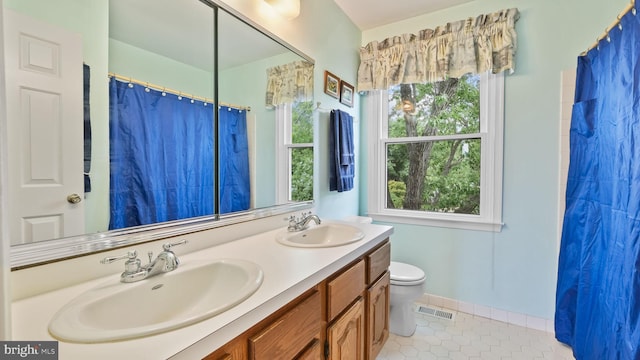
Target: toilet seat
x,y
405,275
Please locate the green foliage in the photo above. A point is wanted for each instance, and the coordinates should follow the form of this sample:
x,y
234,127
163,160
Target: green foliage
x,y
302,118
302,158
302,174
397,191
450,169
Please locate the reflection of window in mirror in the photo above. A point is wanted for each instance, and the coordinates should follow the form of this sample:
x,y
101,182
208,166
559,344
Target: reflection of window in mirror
x,y
294,153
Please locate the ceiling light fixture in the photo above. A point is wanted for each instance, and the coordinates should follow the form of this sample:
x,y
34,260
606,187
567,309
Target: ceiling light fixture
x,y
290,9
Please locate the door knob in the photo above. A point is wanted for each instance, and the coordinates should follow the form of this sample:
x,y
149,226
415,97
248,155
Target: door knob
x,y
74,198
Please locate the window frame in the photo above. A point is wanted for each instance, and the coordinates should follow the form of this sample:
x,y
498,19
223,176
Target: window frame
x,y
491,163
284,147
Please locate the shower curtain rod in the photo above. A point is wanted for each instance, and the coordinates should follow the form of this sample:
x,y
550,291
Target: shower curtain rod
x,y
630,6
176,92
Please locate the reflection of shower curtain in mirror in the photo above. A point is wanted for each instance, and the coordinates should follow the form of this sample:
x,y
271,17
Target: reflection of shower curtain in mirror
x,y
234,161
161,156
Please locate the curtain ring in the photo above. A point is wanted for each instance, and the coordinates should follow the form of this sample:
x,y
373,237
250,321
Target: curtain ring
x,y
179,95
146,88
164,92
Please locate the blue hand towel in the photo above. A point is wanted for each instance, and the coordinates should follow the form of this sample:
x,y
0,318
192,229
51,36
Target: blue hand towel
x,y
342,160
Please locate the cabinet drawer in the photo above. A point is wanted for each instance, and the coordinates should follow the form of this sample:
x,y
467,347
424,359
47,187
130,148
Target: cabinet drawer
x,y
345,288
378,262
289,334
234,350
312,353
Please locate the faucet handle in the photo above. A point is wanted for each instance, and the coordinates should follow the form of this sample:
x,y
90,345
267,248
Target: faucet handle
x,y
131,256
131,266
168,246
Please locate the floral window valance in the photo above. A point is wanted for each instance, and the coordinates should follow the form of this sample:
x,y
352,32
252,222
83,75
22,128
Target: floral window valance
x,y
476,45
289,83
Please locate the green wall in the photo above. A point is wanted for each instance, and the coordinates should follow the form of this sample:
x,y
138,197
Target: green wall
x,y
140,64
514,270
246,85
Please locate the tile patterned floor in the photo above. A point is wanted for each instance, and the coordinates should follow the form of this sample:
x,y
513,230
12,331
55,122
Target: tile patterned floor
x,y
472,337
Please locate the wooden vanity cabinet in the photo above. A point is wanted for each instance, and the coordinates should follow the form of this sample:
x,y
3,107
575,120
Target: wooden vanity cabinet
x,y
295,331
361,331
345,317
234,350
345,288
345,313
378,299
291,333
346,336
377,315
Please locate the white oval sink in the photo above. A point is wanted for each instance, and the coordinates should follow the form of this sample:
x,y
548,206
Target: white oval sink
x,y
323,235
195,291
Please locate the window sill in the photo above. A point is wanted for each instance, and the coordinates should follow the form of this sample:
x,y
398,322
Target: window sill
x,y
464,224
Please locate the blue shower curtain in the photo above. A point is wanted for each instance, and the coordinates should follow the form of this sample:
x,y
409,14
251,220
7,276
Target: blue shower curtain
x,y
161,156
234,160
598,289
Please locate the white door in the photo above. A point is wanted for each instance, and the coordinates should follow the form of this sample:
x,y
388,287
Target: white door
x,y
43,66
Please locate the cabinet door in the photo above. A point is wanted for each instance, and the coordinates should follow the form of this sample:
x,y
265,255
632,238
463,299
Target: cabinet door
x,y
346,335
378,315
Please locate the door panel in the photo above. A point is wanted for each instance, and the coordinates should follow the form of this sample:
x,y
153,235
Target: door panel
x,y
346,335
43,66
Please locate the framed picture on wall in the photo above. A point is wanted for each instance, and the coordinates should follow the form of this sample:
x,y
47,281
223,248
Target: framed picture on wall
x,y
346,93
331,84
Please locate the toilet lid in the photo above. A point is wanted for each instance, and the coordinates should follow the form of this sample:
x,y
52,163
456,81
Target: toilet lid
x,y
401,273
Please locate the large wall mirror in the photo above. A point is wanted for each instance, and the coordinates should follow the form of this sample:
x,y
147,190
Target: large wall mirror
x,y
83,175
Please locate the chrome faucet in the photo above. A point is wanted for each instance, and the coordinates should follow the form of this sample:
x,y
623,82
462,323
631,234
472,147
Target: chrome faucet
x,y
296,224
133,270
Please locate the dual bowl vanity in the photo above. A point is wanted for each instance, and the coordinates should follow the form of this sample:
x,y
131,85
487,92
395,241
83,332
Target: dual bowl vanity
x,y
225,300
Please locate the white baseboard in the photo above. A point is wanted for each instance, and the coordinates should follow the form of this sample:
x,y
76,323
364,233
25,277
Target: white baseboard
x,y
531,322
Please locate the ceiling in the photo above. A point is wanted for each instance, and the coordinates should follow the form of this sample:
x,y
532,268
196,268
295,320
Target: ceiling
x,y
368,14
158,26
183,31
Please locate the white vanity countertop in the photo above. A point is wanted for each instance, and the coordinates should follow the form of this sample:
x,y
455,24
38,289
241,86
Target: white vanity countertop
x,y
288,272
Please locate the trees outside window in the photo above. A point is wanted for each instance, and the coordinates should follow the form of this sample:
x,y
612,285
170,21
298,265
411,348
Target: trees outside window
x,y
294,157
439,152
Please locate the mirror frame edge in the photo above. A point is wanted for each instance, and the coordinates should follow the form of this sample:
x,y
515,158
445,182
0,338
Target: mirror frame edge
x,y
35,254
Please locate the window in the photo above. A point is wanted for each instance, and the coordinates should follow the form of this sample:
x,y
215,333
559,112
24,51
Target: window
x,y
436,153
294,156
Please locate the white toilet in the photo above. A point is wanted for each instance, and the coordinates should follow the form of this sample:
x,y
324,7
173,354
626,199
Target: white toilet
x,y
407,285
